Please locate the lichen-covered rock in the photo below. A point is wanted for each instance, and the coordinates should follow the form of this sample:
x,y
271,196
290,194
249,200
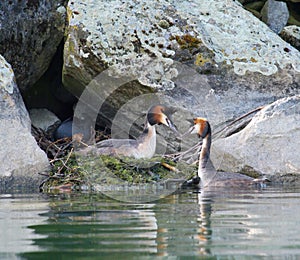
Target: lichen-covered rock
x,y
291,34
21,158
116,32
269,145
30,32
244,62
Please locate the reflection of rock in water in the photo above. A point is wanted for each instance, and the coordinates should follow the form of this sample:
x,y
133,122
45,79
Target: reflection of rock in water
x,y
103,225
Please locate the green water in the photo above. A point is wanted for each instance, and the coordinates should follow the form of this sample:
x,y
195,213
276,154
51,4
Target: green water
x,y
223,225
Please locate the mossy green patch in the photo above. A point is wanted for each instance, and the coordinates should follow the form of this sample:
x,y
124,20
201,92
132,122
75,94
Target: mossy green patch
x,y
74,172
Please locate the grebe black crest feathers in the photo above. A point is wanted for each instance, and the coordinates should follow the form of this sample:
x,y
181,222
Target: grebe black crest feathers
x,y
159,114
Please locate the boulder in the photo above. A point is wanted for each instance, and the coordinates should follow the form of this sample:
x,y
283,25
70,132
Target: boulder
x,y
21,158
44,119
256,8
291,34
275,14
236,63
30,32
269,145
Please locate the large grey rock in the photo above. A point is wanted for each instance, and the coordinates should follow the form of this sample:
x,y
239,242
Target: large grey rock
x,y
239,63
269,145
235,62
21,158
30,32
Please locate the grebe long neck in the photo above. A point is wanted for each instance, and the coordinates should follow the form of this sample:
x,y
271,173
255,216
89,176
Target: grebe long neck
x,y
147,141
205,151
206,170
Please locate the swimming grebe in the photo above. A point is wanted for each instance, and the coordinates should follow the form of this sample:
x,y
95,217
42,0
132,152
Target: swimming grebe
x,y
142,147
207,174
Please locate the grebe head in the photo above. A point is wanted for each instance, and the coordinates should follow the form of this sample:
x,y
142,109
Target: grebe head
x,y
201,127
159,114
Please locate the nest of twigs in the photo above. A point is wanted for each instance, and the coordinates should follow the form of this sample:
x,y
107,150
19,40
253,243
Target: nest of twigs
x,y
67,175
70,172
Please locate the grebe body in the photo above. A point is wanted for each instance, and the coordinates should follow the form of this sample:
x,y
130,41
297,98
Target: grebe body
x,y
142,147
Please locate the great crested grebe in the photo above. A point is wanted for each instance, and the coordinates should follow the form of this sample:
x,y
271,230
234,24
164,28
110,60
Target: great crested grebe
x,y
207,174
142,147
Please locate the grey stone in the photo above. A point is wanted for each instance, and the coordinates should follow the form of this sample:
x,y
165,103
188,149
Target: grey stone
x,y
110,38
235,62
291,34
268,145
30,32
243,62
44,119
275,14
21,158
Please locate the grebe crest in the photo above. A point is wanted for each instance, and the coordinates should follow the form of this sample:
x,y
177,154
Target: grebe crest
x,y
159,114
201,127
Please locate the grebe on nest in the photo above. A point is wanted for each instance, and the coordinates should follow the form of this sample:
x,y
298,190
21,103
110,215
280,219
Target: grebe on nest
x,y
142,147
207,174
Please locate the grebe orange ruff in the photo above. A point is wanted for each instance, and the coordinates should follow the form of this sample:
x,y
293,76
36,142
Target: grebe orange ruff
x,y
142,147
207,174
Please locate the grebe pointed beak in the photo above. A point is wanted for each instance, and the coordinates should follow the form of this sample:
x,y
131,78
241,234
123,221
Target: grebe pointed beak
x,y
172,126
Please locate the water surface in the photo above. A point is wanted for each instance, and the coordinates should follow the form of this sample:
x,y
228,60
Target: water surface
x,y
227,224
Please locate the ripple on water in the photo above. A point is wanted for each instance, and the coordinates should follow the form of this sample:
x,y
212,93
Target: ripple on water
x,y
245,223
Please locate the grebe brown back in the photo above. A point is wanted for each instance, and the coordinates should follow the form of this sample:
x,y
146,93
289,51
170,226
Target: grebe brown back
x,y
207,174
142,147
